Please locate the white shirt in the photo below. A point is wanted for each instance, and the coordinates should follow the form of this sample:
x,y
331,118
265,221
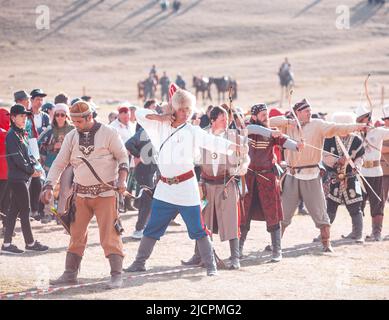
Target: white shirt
x,y
38,120
178,155
373,146
125,133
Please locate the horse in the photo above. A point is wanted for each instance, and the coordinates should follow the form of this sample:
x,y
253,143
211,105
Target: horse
x,y
223,85
286,82
203,85
147,88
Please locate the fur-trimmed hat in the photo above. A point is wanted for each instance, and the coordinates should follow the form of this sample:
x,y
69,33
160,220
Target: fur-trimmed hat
x,y
80,109
257,108
300,106
362,112
183,99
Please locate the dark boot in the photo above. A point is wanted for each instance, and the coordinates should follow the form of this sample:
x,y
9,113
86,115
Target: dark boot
x,y
206,253
269,247
276,245
128,204
144,251
234,248
317,239
242,239
72,266
325,238
283,228
195,260
357,221
376,229
116,263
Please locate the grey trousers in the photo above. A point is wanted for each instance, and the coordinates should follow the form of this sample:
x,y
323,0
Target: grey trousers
x,y
311,193
385,189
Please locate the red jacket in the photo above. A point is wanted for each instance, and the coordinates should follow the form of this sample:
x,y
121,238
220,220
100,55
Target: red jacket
x,y
4,126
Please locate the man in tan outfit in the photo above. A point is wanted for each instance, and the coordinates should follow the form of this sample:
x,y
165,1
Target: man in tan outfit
x,y
105,151
220,188
303,179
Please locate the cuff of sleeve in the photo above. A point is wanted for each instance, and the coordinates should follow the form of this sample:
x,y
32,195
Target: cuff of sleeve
x,y
47,185
123,166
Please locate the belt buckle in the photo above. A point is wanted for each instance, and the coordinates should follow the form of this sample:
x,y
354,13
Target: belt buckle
x,y
171,181
341,176
94,190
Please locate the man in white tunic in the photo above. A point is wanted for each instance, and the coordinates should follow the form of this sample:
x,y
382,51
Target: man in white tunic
x,y
372,171
178,143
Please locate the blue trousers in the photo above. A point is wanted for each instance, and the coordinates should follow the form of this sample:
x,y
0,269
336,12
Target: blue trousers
x,y
163,212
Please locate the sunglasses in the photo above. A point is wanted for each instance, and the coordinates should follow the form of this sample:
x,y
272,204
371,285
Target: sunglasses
x,y
62,115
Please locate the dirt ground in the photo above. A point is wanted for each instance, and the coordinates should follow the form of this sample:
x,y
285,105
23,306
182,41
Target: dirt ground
x,y
354,271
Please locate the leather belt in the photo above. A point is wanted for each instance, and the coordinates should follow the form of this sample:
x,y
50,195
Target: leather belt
x,y
95,189
262,171
176,180
371,163
293,170
221,179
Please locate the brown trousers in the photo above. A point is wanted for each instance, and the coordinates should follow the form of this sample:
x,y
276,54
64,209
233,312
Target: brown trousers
x,y
105,210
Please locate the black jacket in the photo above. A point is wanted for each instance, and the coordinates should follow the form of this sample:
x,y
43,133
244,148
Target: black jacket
x,y
145,170
20,165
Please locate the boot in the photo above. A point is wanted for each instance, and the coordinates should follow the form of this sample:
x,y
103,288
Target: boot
x,y
242,240
195,260
276,245
283,228
206,253
144,251
235,254
72,266
116,263
317,239
128,205
269,247
356,234
376,229
325,238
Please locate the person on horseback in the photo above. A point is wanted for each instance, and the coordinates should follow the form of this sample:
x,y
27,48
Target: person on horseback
x,y
286,79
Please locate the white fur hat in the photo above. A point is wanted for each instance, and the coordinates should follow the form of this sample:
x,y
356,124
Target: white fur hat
x,y
361,111
61,107
343,117
183,99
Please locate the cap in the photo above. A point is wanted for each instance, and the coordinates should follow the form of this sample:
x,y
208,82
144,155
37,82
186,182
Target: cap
x,y
21,95
257,108
303,104
19,109
37,93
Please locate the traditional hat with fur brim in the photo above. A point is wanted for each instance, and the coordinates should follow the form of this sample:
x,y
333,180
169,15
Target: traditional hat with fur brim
x,y
361,112
257,108
80,109
300,106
